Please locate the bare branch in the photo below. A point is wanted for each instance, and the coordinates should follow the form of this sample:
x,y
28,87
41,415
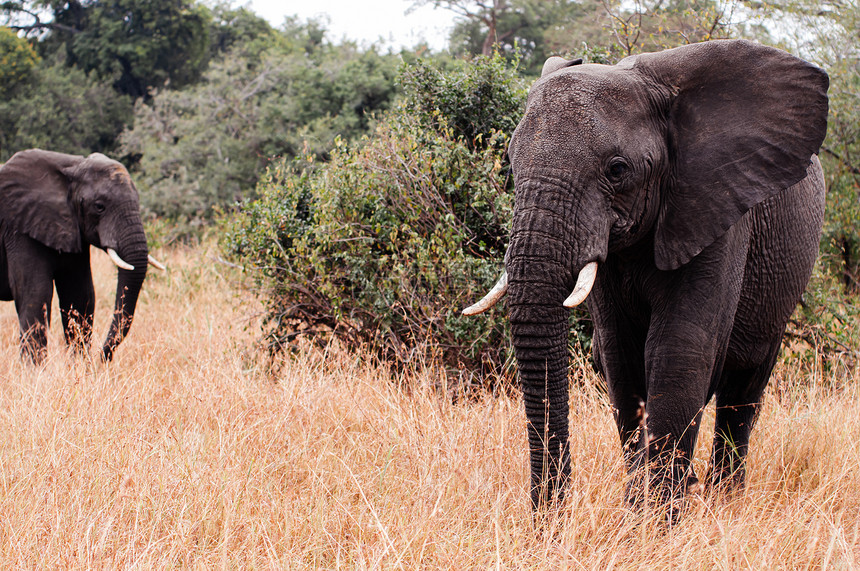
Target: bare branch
x,y
851,168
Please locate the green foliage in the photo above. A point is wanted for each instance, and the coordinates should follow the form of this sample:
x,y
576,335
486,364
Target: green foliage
x,y
472,101
841,161
206,145
17,60
62,109
142,44
389,240
823,330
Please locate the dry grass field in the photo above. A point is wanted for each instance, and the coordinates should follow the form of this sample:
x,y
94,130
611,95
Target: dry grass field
x,y
186,453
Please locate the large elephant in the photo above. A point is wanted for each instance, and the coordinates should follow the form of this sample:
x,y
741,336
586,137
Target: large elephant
x,y
52,207
681,194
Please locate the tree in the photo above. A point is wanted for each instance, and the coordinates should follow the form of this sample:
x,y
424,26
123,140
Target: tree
x,y
526,30
17,61
62,109
653,25
206,145
496,20
238,28
137,44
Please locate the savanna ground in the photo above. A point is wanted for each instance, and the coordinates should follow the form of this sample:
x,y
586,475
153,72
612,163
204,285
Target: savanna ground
x,y
186,452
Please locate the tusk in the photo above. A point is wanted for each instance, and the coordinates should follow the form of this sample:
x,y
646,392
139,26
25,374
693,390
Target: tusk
x,y
491,299
119,261
156,264
583,286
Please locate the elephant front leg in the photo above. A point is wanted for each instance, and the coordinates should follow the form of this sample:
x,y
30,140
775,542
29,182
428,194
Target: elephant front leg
x,y
691,322
672,419
619,347
77,301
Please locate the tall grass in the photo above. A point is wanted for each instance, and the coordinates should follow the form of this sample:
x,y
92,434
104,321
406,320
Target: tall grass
x,y
187,452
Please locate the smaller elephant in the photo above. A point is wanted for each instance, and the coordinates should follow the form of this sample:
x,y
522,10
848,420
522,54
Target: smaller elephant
x,y
53,206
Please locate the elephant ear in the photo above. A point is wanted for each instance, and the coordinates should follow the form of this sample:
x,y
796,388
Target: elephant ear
x,y
556,63
35,199
744,121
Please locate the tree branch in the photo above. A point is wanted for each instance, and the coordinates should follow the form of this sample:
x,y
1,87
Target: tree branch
x,y
851,168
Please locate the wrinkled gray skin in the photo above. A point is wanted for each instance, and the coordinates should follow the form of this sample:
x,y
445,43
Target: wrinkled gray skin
x,y
53,206
690,177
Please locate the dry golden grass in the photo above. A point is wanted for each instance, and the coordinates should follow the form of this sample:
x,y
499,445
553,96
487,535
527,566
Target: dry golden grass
x,y
185,453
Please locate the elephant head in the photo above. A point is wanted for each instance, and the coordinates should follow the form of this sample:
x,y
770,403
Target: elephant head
x,y
665,151
68,202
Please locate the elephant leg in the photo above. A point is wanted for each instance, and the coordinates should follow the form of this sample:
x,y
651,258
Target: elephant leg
x,y
31,270
738,401
624,369
691,325
626,378
619,356
678,383
34,315
77,300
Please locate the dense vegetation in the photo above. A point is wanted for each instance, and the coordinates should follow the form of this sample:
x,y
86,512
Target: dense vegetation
x,y
384,243
366,192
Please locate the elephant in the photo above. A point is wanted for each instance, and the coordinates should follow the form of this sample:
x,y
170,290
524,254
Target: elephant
x,y
680,194
53,206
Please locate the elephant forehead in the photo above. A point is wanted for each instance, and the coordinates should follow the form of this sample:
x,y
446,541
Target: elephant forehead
x,y
591,87
99,166
580,112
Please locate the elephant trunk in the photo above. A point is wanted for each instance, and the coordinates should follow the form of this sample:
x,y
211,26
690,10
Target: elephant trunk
x,y
132,249
539,280
540,341
547,259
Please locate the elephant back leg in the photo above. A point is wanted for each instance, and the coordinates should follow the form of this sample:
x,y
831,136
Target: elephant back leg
x,y
783,249
737,405
5,287
785,234
77,299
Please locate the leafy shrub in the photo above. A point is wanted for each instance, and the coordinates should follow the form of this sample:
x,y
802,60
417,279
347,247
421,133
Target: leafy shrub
x,y
486,98
389,240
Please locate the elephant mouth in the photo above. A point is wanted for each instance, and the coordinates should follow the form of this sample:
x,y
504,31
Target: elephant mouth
x,y
584,283
122,264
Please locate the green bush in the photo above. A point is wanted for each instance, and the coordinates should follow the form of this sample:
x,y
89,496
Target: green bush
x,y
383,245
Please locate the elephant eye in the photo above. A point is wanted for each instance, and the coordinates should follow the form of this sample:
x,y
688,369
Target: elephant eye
x,y
618,167
99,207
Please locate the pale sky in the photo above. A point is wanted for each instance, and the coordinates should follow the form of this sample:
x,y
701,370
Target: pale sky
x,y
366,21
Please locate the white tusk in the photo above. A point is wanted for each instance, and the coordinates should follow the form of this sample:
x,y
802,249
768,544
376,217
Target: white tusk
x,y
583,286
156,264
119,261
491,299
